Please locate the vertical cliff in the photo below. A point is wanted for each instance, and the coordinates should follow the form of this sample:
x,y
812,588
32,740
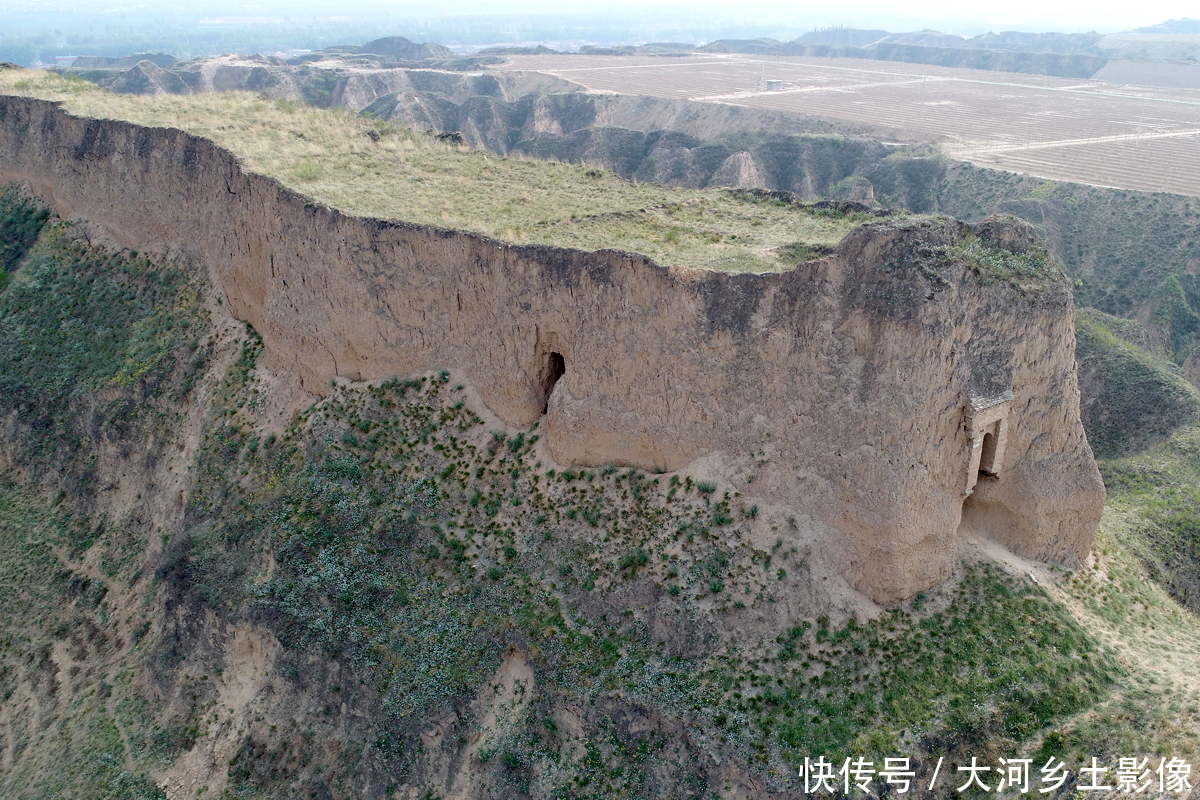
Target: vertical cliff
x,y
847,388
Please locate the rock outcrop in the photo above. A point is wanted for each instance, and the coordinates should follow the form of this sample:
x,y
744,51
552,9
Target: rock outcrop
x,y
859,390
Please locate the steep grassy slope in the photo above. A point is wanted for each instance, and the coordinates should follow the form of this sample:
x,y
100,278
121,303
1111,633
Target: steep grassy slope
x,y
94,357
377,169
1143,420
1131,251
21,222
1132,399
66,693
1160,491
390,524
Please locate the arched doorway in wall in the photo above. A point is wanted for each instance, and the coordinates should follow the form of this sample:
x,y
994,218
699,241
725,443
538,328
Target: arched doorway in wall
x,y
987,427
983,512
987,455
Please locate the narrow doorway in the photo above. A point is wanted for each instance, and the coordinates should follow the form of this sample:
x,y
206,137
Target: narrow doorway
x,y
554,369
987,455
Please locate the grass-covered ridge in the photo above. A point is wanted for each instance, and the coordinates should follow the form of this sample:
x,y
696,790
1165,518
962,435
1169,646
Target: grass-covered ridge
x,y
377,169
1143,422
1159,491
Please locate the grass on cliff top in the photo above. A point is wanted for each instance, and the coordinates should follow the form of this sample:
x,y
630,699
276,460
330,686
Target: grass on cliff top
x,y
371,168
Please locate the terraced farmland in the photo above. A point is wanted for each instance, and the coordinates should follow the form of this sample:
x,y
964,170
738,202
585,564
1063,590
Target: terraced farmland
x,y
1085,131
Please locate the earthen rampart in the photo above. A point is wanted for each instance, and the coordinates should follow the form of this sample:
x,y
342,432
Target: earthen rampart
x,y
850,383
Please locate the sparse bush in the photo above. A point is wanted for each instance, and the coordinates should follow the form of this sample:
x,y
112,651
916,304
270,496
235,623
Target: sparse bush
x,y
634,559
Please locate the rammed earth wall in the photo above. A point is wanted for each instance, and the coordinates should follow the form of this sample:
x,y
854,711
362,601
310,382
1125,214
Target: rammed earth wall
x,y
845,385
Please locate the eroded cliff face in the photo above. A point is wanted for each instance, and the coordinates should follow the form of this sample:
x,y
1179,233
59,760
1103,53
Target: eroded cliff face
x,y
842,393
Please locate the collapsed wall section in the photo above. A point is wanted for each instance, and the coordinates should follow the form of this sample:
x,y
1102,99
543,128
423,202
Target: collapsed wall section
x,y
859,369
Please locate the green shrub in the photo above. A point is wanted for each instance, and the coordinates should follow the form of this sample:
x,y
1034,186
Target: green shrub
x,y
634,559
997,264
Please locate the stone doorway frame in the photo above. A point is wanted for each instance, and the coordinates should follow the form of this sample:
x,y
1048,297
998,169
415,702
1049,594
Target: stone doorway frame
x,y
986,416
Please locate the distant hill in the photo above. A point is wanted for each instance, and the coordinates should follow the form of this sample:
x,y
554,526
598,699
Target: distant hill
x,y
925,38
855,37
1036,42
405,49
124,62
764,45
1185,25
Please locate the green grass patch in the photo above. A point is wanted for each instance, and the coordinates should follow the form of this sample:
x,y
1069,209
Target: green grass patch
x,y
21,220
995,264
82,317
998,663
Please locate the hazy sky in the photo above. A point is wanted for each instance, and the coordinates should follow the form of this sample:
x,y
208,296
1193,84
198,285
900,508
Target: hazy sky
x,y
964,17
1064,15
950,15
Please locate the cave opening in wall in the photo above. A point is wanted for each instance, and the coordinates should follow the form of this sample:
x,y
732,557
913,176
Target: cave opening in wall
x,y
555,368
987,455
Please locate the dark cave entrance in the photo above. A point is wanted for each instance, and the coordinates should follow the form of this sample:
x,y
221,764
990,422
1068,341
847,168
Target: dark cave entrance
x,y
987,456
555,368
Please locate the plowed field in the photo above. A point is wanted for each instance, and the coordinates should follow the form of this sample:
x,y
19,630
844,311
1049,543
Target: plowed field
x,y
1092,132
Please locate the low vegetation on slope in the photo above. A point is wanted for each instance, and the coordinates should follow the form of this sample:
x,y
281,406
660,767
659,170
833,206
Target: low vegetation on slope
x,y
1144,422
21,222
1131,399
94,356
54,619
1161,487
415,549
374,168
